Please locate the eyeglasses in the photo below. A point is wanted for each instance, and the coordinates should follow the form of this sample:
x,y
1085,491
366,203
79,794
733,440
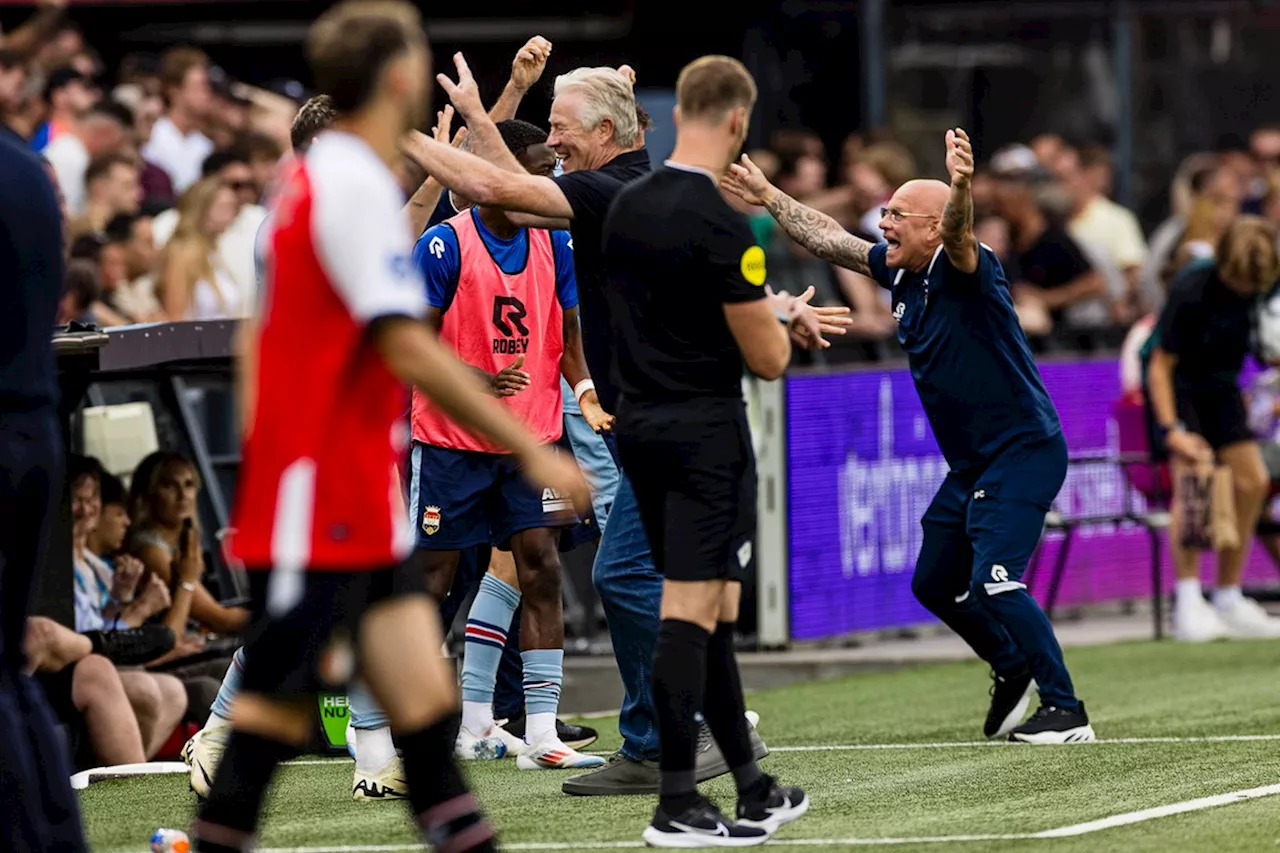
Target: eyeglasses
x,y
896,216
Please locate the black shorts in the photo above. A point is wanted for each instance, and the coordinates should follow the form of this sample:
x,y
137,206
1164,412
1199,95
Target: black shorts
x,y
1216,415
311,647
693,470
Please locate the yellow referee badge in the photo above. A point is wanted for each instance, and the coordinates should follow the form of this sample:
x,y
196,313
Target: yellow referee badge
x,y
753,265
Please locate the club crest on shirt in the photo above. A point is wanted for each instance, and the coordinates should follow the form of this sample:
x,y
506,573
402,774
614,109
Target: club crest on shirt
x,y
752,265
431,520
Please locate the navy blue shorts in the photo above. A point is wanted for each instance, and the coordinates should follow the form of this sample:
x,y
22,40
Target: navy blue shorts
x,y
983,526
461,498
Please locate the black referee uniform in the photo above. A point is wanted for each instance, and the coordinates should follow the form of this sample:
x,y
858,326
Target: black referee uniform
x,y
37,808
675,253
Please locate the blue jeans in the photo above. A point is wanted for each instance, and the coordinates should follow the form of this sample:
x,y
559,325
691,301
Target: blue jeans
x,y
593,456
630,589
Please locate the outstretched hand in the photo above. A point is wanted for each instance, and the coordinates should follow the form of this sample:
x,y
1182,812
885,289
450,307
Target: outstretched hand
x,y
746,181
806,324
959,157
464,94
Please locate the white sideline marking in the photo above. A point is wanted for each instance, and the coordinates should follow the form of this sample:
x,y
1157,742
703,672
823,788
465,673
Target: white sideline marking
x,y
857,747
845,747
1160,811
1075,829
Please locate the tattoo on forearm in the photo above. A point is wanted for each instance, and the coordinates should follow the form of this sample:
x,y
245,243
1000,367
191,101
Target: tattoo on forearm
x,y
820,234
957,218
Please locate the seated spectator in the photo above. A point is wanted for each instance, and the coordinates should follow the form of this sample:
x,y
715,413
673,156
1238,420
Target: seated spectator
x,y
112,188
1099,222
101,130
1049,271
82,295
264,160
162,496
135,296
1210,215
159,701
85,692
106,582
194,284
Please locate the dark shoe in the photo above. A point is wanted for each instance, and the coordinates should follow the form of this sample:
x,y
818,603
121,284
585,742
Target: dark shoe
x,y
710,760
701,826
620,777
780,805
574,737
1052,724
1010,697
132,646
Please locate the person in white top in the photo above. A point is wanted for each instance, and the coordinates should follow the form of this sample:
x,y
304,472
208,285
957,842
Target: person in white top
x,y
193,283
99,131
236,244
177,143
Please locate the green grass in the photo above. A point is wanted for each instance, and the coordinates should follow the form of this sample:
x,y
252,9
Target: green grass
x,y
1133,691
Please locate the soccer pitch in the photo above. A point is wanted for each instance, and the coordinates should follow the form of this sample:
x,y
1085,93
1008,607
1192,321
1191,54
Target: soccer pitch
x,y
1189,760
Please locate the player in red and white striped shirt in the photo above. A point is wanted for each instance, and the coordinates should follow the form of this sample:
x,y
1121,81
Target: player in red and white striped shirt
x,y
318,515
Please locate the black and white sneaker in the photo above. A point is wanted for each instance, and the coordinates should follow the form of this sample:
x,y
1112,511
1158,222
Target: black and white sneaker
x,y
782,805
1010,697
1051,724
700,826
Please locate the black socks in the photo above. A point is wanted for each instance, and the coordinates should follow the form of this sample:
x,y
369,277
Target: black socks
x,y
447,813
679,683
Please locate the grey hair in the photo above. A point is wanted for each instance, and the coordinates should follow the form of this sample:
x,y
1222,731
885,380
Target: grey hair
x,y
608,96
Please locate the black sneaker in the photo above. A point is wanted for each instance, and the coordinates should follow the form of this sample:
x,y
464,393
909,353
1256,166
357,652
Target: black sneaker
x,y
701,826
1052,724
781,805
574,737
1010,696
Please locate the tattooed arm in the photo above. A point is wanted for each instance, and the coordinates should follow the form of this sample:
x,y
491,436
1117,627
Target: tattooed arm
x,y
957,217
819,233
816,231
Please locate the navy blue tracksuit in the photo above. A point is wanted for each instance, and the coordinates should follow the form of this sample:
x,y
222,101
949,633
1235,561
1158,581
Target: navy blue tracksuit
x,y
37,807
1001,437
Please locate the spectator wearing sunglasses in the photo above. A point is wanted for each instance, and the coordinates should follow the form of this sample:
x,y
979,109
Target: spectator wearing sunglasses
x,y
232,169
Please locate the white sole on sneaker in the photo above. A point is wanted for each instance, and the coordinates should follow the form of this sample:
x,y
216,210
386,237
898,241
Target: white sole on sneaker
x,y
1019,711
689,840
779,818
1080,734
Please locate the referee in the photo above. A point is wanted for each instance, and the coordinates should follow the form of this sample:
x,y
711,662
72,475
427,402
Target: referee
x,y
684,282
37,807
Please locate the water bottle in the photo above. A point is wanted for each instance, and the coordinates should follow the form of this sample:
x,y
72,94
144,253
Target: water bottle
x,y
170,841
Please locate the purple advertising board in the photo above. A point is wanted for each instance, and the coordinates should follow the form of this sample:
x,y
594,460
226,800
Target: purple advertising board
x,y
862,466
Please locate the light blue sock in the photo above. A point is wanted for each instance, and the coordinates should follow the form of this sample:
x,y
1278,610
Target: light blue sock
x,y
364,711
487,626
230,686
543,675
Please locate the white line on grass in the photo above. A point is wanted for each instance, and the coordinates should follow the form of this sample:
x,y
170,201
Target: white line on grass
x,y
1076,829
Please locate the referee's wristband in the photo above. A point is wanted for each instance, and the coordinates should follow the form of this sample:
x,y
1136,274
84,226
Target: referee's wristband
x,y
581,388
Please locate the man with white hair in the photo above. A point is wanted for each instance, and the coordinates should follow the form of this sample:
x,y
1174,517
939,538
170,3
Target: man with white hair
x,y
596,134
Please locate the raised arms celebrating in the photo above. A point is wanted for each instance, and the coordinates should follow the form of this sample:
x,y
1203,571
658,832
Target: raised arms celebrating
x,y
816,231
956,228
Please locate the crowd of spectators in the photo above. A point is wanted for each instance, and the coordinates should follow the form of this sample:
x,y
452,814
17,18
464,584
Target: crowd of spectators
x,y
138,672
162,173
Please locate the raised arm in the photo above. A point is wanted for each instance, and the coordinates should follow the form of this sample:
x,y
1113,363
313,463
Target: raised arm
x,y
816,231
526,71
484,183
957,217
486,140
